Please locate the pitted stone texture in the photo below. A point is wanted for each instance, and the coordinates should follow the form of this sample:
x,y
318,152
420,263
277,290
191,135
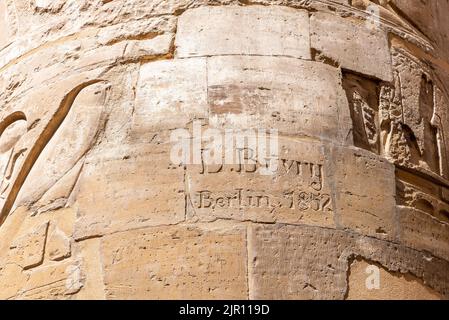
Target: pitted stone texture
x,y
390,285
421,231
353,44
47,5
252,30
90,92
142,173
93,283
27,268
176,262
4,34
30,248
59,246
365,192
12,280
282,93
68,146
55,281
170,94
296,189
319,260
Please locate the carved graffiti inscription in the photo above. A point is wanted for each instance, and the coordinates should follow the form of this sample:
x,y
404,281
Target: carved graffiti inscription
x,y
242,199
297,192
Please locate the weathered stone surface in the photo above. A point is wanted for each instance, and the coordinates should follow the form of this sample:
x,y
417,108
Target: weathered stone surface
x,y
93,204
59,246
175,262
298,192
418,193
287,94
93,283
352,44
421,231
69,144
319,260
3,24
169,94
12,280
256,30
391,285
129,191
29,249
41,128
148,49
419,134
365,200
440,120
363,99
55,281
28,260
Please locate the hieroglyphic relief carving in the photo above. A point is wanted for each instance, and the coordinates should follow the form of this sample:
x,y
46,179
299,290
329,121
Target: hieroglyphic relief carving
x,y
310,174
15,141
412,138
390,114
125,188
413,124
62,159
51,6
362,94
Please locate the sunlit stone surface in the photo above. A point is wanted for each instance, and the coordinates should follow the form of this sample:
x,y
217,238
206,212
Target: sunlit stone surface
x,y
93,207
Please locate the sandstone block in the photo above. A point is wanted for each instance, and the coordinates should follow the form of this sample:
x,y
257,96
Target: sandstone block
x,y
251,30
169,94
421,231
282,93
4,26
148,49
175,262
390,285
92,205
93,284
12,280
29,248
352,44
313,272
55,281
59,246
130,191
297,191
319,262
365,196
72,139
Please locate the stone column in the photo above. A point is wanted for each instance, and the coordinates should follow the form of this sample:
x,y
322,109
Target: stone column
x,y
354,94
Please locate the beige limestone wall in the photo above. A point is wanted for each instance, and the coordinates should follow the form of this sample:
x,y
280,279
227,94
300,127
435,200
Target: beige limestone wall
x,y
92,207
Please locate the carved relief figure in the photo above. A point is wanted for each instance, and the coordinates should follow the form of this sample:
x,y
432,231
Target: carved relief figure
x,y
46,165
12,128
407,112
